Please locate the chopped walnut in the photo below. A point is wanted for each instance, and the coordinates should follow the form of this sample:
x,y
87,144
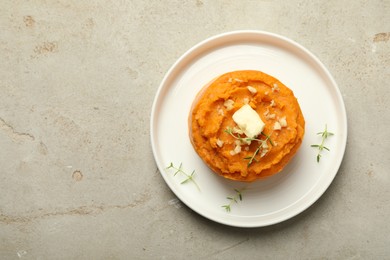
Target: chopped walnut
x,y
283,121
252,89
229,104
275,88
277,126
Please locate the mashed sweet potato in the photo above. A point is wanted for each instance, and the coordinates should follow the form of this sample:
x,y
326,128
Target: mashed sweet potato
x,y
224,147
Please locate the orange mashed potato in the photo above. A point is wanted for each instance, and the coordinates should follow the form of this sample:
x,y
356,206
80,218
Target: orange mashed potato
x,y
221,143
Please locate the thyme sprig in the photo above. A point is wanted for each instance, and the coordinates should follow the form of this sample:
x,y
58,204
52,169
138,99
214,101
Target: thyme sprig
x,y
230,131
235,199
325,134
189,177
263,144
253,157
248,140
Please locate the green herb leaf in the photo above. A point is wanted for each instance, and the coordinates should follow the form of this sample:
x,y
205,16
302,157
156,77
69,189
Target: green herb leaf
x,y
268,138
227,208
234,199
325,134
246,140
189,177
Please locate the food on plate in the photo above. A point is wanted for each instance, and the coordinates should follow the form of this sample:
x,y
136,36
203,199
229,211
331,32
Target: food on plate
x,y
246,125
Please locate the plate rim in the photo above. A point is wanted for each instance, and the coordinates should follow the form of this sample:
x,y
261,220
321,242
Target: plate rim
x,y
237,33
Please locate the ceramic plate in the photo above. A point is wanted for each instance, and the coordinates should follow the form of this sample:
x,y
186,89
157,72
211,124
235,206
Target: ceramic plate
x,y
302,181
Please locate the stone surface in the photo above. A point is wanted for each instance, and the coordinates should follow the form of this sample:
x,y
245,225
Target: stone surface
x,y
78,179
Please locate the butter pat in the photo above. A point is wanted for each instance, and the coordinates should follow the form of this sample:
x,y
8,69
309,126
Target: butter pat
x,y
248,121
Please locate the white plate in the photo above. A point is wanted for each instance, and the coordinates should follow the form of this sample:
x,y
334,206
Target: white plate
x,y
302,181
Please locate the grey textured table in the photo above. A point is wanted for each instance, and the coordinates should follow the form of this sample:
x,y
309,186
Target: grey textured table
x,y
77,175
